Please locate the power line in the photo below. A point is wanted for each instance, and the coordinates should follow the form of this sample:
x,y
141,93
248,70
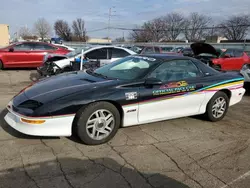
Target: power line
x,y
94,30
181,29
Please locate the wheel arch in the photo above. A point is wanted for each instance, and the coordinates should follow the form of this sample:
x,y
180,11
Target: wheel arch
x,y
227,92
116,104
1,61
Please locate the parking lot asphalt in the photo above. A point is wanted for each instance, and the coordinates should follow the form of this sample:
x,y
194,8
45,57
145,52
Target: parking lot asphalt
x,y
181,153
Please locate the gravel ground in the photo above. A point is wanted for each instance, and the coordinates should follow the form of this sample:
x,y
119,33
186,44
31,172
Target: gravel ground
x,y
180,153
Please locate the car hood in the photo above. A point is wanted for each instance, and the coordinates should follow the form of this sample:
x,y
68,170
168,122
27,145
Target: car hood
x,y
200,48
62,85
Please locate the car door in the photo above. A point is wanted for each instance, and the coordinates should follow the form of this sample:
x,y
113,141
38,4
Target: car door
x,y
175,97
18,56
157,50
100,54
148,50
238,59
228,60
117,53
38,52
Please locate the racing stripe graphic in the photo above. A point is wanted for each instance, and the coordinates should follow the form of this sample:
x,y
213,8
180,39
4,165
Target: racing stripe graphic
x,y
229,84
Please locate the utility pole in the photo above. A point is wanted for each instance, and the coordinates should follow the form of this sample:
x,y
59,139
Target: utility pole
x,y
110,14
110,9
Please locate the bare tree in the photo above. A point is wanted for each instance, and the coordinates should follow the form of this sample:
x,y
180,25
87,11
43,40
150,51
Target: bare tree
x,y
79,30
194,26
174,23
42,28
151,31
154,30
63,30
24,32
235,28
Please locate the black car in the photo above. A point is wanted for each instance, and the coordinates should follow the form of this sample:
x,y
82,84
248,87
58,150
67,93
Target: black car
x,y
134,90
204,52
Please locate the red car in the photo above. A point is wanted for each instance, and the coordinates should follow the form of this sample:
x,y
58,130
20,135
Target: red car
x,y
231,60
27,54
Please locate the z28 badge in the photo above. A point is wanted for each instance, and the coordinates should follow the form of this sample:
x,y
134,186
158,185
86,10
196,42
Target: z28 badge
x,y
131,95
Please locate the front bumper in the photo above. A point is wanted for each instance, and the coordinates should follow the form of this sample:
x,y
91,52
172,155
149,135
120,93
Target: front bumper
x,y
53,126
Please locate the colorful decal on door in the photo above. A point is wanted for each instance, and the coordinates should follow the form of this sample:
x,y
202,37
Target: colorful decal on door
x,y
131,95
232,84
175,87
174,84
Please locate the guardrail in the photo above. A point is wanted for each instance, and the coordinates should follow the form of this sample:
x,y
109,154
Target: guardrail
x,y
244,46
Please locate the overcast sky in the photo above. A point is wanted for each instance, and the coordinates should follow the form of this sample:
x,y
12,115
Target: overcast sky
x,y
128,13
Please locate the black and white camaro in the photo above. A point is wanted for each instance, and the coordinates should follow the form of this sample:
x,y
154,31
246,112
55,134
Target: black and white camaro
x,y
131,91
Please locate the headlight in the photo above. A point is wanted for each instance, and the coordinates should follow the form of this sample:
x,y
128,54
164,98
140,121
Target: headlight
x,y
246,67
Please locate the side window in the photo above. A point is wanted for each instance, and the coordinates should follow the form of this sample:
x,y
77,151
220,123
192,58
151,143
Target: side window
x,y
238,53
97,54
148,50
118,53
38,46
176,70
157,50
23,46
229,53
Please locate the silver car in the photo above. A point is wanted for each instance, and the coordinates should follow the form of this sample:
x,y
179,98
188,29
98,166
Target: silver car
x,y
245,71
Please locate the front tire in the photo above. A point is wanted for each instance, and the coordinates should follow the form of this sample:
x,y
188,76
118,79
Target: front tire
x,y
1,65
217,107
97,123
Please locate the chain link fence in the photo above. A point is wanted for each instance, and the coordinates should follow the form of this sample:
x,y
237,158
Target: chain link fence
x,y
243,46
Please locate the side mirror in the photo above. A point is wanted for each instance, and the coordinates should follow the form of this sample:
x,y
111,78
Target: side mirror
x,y
152,82
11,50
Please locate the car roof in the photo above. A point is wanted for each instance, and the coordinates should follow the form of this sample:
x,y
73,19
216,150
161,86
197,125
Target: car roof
x,y
109,46
33,42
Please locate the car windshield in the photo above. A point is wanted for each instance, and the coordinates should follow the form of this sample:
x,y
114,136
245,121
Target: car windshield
x,y
78,51
128,68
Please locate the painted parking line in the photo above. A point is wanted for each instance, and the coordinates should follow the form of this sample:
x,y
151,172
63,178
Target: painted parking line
x,y
242,177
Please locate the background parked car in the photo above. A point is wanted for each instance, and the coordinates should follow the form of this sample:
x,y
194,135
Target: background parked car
x,y
147,49
177,49
65,47
104,54
166,49
245,71
205,52
27,54
187,52
231,60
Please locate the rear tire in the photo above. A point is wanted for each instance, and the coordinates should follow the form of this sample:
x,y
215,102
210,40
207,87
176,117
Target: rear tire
x,y
97,123
217,107
1,65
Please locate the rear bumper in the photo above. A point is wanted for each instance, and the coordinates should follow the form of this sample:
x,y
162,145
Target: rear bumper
x,y
237,95
53,126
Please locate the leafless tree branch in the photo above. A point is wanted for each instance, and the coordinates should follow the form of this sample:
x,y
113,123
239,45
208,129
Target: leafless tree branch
x,y
42,28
